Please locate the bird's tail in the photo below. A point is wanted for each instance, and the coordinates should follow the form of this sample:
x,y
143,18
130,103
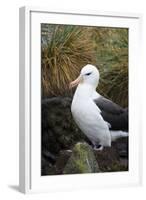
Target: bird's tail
x,y
118,134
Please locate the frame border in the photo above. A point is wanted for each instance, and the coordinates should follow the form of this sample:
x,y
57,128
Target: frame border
x,y
25,89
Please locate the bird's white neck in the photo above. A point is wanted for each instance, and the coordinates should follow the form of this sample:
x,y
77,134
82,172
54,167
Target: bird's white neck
x,y
84,91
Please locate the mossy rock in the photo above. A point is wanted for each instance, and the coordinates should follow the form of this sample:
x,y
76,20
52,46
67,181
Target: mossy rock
x,y
60,133
82,160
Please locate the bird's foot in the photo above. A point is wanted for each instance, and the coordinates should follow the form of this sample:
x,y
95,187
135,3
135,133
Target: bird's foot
x,y
98,148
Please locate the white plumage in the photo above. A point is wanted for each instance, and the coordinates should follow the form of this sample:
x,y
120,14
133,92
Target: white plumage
x,y
86,113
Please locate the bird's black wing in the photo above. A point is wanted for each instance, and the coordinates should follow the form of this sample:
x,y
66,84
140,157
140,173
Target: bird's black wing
x,y
113,113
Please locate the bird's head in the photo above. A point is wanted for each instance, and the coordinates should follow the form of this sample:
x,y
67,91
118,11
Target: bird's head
x,y
89,75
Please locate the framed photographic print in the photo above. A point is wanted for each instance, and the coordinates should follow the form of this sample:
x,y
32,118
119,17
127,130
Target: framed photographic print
x,y
79,100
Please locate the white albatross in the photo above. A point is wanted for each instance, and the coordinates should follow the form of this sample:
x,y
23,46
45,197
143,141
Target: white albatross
x,y
87,106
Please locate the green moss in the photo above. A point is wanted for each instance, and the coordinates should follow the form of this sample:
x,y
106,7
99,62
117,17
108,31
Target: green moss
x,y
117,167
82,160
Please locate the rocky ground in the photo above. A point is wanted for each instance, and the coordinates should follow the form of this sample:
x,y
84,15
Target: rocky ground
x,y
66,150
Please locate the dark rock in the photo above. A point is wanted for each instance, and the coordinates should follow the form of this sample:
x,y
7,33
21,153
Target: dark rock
x,y
62,159
121,146
59,131
111,159
82,160
46,167
49,156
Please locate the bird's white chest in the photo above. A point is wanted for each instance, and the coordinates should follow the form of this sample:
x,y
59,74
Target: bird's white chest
x,y
88,118
85,113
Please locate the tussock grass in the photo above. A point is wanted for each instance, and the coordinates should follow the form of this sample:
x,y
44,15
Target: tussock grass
x,y
112,58
67,51
114,85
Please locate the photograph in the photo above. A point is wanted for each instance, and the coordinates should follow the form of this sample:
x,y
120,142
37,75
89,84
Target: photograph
x,y
84,99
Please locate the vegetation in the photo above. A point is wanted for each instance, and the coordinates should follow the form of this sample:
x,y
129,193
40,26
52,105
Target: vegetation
x,y
82,160
66,49
112,59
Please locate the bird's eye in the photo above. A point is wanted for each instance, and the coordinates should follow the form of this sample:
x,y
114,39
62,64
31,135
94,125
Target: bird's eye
x,y
88,74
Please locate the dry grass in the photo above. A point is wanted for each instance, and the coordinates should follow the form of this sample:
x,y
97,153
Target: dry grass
x,y
112,58
114,85
69,49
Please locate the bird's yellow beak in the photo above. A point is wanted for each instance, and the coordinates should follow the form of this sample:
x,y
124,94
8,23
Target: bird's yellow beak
x,y
76,82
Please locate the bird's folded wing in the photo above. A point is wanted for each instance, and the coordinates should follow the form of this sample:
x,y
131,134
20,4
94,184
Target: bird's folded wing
x,y
108,106
112,113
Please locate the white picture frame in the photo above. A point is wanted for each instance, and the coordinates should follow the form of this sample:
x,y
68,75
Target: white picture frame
x,y
30,177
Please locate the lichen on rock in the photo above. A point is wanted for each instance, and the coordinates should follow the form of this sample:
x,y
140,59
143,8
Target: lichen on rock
x,y
82,160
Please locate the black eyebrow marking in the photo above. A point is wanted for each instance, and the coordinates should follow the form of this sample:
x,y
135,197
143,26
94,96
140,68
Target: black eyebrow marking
x,y
88,73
